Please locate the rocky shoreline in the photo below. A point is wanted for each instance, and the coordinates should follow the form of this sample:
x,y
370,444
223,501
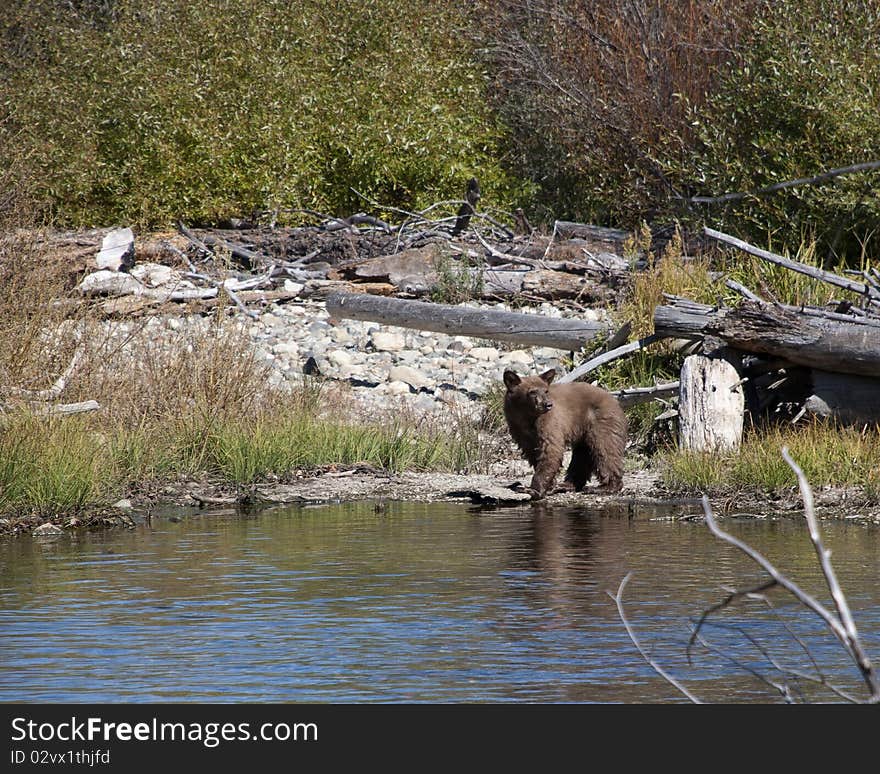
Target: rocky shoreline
x,y
379,370
427,372
382,367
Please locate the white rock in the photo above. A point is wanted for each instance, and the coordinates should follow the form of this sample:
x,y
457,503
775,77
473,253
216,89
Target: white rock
x,y
155,274
269,320
545,353
117,250
47,529
122,505
110,283
398,388
517,356
484,353
408,375
290,348
474,385
340,357
409,356
388,342
293,287
340,335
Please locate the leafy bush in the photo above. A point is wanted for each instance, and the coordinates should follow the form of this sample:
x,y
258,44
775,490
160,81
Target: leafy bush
x,y
166,109
597,95
622,109
801,99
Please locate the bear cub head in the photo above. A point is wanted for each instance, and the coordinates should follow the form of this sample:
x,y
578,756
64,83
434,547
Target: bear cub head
x,y
531,394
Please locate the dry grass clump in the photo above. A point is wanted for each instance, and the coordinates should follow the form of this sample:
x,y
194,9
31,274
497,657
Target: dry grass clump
x,y
829,455
189,400
39,329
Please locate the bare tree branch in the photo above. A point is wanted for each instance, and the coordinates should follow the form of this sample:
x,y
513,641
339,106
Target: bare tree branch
x,y
618,598
850,634
843,628
821,178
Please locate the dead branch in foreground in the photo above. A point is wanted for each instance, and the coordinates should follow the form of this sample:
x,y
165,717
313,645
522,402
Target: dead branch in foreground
x,y
838,621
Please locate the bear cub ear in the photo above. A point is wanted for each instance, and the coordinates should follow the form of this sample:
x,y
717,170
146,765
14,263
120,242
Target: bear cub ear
x,y
511,379
549,376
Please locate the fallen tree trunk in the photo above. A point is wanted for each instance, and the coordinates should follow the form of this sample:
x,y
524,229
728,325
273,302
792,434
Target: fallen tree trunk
x,y
816,342
566,229
633,396
523,329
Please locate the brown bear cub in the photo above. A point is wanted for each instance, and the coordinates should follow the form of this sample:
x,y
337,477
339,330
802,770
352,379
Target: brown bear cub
x,y
544,419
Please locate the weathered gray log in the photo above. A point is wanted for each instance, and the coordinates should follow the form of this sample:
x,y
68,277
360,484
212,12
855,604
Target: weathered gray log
x,y
861,288
557,285
852,400
525,329
65,409
710,405
829,345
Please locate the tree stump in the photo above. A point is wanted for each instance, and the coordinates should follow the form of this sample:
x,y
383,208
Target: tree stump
x,y
710,404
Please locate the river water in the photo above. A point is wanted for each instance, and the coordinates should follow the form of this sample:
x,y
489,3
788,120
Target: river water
x,y
414,602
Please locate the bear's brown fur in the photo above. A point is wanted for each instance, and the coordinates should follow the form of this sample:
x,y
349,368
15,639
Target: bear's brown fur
x,y
544,419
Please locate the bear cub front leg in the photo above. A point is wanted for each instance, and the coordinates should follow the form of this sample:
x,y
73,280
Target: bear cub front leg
x,y
547,466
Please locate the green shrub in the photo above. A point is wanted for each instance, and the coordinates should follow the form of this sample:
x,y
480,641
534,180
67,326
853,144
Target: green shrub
x,y
174,109
801,99
623,108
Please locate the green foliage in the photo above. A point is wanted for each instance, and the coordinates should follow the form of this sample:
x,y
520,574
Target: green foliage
x,y
619,108
596,95
458,280
202,110
802,98
493,408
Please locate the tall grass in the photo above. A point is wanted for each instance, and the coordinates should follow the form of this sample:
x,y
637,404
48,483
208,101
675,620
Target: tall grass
x,y
190,402
776,283
828,455
51,464
672,273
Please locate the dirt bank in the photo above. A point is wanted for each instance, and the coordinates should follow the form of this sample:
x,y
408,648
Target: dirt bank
x,y
642,490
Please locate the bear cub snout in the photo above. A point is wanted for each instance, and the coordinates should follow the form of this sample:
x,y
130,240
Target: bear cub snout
x,y
544,418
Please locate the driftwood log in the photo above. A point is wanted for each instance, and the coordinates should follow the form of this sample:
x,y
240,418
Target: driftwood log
x,y
633,396
830,345
567,230
514,327
861,288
